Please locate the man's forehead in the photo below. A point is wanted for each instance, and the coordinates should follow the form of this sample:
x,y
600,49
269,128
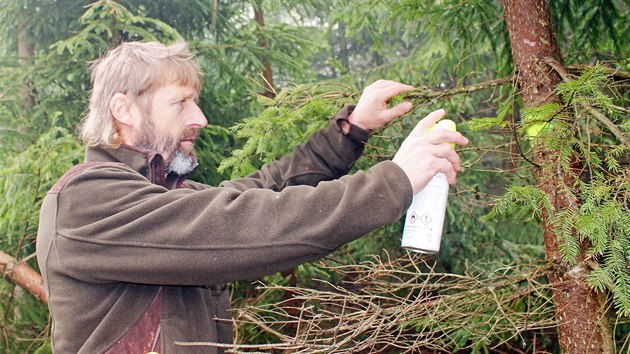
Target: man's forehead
x,y
175,89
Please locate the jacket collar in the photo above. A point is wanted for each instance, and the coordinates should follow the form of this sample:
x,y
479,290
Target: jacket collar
x,y
146,162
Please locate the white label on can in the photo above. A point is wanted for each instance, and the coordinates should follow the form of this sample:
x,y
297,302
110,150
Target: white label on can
x,y
425,217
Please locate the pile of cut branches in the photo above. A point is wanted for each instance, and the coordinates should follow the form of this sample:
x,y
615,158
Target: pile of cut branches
x,y
402,305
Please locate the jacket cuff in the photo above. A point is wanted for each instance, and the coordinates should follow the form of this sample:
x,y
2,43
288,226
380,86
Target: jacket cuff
x,y
355,133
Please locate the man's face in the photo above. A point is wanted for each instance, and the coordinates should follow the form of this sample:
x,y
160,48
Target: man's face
x,y
171,126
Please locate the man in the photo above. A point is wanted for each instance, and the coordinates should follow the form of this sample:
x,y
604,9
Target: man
x,y
134,255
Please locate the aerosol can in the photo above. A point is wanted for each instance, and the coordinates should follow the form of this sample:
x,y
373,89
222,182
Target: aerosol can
x,y
425,217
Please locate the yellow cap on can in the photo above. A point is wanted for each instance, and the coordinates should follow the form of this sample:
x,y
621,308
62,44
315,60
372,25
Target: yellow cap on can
x,y
445,124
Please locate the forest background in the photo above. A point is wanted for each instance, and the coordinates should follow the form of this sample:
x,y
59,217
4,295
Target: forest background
x,y
536,249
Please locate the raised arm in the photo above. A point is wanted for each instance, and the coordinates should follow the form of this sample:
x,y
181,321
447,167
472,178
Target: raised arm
x,y
330,153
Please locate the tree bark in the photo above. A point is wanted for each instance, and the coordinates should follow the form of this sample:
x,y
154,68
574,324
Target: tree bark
x,y
215,10
580,313
22,275
26,52
267,73
344,53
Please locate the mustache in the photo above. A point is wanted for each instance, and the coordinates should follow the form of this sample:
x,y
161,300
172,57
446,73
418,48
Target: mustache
x,y
189,134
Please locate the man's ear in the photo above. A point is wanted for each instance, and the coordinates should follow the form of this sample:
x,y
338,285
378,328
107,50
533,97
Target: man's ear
x,y
120,108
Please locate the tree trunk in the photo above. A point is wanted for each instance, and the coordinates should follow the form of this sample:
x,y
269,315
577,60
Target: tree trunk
x,y
22,275
267,73
344,53
26,52
213,23
580,313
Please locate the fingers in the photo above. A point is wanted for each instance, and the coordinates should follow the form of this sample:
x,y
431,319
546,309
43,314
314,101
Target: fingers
x,y
421,161
443,153
441,136
396,111
447,169
383,90
427,122
387,84
447,154
438,136
389,89
372,112
427,151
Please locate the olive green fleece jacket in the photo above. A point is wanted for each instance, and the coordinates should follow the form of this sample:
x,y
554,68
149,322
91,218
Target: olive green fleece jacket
x,y
114,231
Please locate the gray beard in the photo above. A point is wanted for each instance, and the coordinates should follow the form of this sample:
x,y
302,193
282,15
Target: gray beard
x,y
181,164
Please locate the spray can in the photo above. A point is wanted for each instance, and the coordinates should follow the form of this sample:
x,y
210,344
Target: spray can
x,y
425,217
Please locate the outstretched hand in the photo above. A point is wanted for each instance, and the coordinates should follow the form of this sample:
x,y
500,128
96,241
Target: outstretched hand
x,y
424,153
372,112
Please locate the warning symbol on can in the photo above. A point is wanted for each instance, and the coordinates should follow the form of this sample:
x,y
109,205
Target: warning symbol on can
x,y
413,217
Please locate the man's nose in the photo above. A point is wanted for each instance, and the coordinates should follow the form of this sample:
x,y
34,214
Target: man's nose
x,y
196,118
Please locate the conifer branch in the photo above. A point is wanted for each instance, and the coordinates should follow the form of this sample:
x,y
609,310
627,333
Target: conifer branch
x,y
554,64
614,73
23,275
609,124
427,94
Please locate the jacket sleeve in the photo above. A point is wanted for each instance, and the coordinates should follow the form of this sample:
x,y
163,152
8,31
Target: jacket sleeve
x,y
328,154
113,225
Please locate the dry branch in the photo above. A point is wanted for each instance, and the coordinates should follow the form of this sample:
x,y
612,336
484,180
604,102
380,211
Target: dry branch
x,y
22,275
400,306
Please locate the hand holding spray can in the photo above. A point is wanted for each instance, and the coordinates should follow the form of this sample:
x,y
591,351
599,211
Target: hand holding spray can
x,y
425,217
